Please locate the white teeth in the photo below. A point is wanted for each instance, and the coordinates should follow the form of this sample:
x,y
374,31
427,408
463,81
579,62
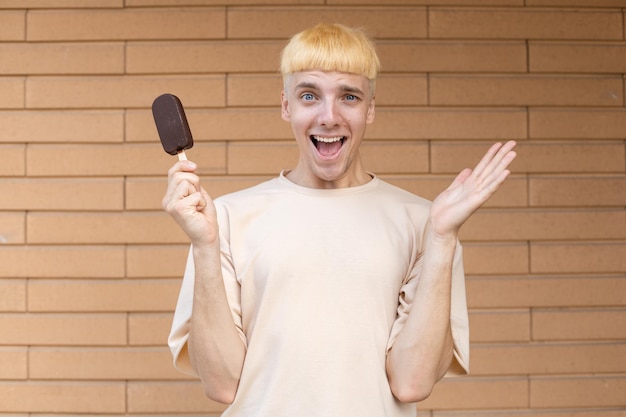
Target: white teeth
x,y
327,140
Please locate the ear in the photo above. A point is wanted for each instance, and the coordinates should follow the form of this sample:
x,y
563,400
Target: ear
x,y
371,111
284,107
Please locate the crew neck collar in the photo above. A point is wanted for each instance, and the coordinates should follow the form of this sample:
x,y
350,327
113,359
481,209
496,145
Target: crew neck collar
x,y
282,178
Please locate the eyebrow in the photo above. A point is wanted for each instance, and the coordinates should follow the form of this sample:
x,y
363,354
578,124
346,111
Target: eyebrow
x,y
343,87
306,84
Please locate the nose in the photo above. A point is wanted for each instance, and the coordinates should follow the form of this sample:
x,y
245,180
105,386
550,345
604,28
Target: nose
x,y
329,114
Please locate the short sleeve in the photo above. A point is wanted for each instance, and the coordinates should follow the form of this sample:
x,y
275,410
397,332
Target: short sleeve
x,y
459,321
179,333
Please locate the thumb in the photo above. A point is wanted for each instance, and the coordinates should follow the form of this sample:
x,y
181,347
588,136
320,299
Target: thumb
x,y
460,179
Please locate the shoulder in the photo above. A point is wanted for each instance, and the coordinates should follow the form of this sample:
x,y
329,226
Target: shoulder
x,y
247,195
400,196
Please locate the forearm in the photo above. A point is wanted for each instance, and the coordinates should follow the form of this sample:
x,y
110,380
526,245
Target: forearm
x,y
422,352
215,348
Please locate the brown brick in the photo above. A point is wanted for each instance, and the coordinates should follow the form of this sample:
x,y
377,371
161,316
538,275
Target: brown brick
x,y
590,123
576,257
102,296
122,91
64,329
103,228
577,191
101,363
246,124
12,159
503,225
452,56
12,91
144,193
62,58
169,397
535,156
513,193
429,2
580,324
277,22
448,123
570,157
469,393
254,124
583,391
62,262
505,90
152,261
395,157
401,90
123,24
61,194
261,158
12,25
12,295
12,227
149,329
577,3
499,326
61,126
524,23
545,291
577,57
62,397
13,363
107,160
61,4
203,56
503,258
545,359
253,89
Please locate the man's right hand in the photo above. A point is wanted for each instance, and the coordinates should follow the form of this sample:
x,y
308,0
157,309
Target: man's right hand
x,y
190,205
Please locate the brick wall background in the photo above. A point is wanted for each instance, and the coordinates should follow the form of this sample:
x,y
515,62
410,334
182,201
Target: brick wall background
x,y
90,266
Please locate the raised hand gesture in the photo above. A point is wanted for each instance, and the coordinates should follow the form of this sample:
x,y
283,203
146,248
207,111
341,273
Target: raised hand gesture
x,y
470,190
190,205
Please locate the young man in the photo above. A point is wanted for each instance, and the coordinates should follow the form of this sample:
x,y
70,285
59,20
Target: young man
x,y
325,291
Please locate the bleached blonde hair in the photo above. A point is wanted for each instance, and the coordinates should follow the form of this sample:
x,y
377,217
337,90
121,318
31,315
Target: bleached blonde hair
x,y
331,47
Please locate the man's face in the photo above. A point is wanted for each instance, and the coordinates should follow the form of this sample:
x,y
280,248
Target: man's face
x,y
328,112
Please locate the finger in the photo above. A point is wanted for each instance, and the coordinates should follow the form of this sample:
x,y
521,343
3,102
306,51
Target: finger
x,y
460,179
494,185
181,166
479,169
207,201
178,190
491,163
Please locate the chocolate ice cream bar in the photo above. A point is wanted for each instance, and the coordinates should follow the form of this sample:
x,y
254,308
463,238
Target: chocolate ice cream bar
x,y
171,123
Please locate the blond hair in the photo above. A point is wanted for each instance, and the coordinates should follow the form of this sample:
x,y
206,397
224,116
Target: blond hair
x,y
331,47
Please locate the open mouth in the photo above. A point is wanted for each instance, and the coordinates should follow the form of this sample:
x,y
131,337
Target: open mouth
x,y
328,146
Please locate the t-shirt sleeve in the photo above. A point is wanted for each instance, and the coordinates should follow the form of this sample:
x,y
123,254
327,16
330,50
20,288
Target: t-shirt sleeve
x,y
179,333
459,321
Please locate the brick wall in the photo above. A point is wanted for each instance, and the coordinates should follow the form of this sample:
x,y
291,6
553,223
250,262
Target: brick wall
x,y
90,266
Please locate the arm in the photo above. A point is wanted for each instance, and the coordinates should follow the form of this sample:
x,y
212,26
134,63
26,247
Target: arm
x,y
422,352
215,348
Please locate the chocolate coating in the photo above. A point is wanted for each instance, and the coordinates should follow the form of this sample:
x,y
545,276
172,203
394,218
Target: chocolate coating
x,y
171,123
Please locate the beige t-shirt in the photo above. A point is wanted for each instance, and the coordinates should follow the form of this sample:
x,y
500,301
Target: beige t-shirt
x,y
320,282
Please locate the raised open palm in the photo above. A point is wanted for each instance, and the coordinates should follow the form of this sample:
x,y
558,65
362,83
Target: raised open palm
x,y
471,189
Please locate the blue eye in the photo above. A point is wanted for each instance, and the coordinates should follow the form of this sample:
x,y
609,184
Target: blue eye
x,y
308,96
351,97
